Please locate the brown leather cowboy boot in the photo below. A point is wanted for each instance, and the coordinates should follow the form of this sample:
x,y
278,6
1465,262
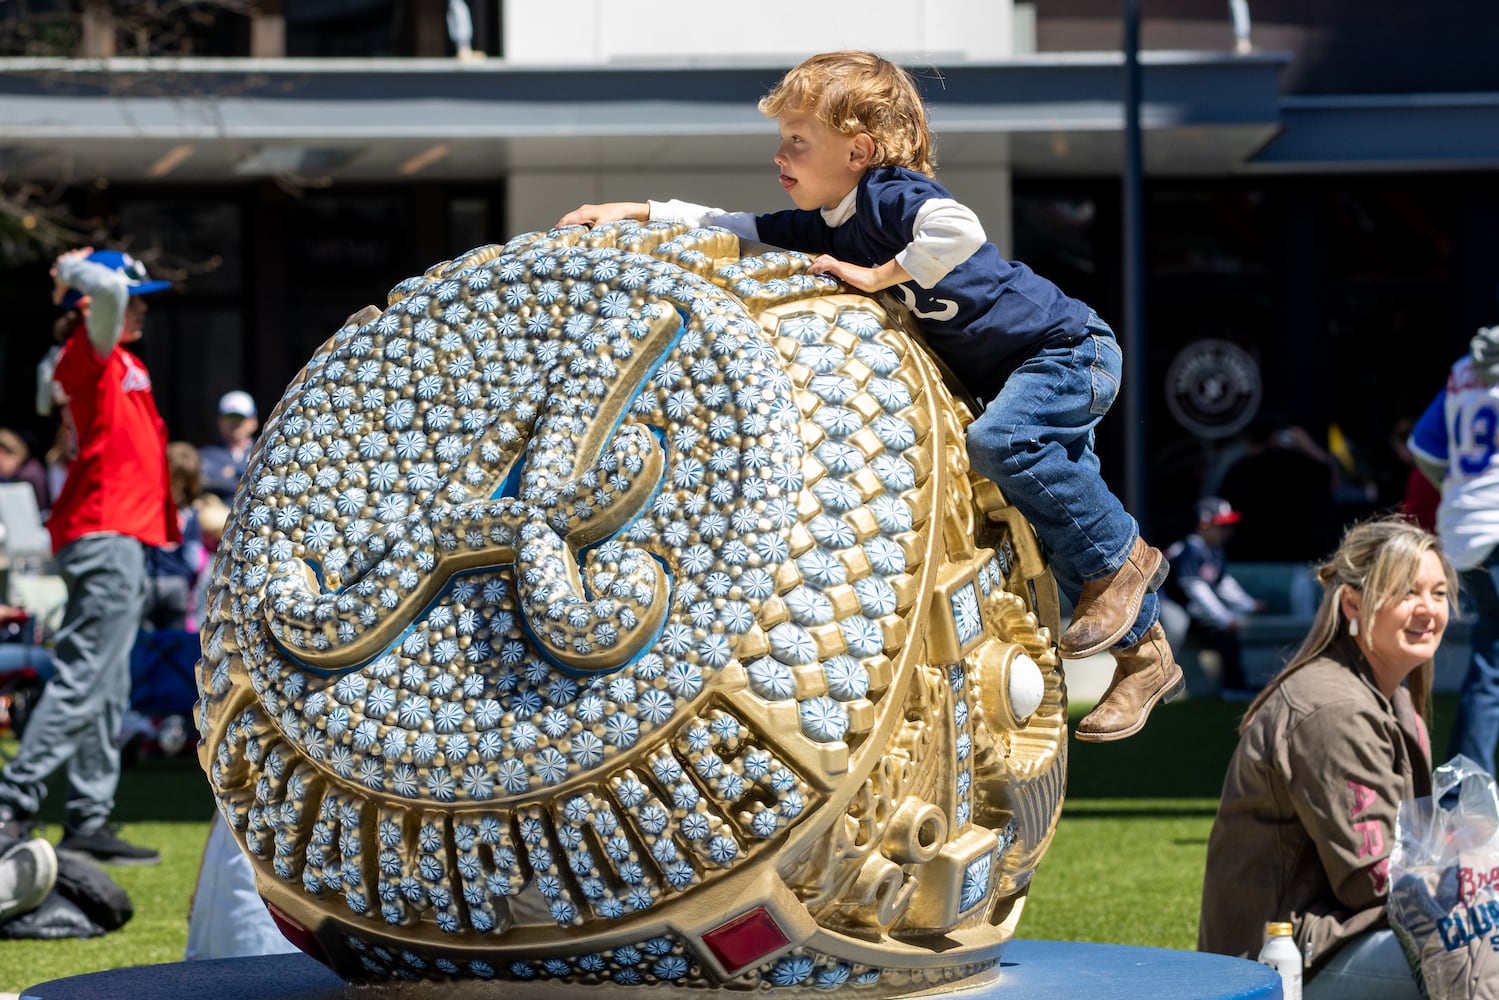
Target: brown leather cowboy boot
x,y
1144,674
1107,608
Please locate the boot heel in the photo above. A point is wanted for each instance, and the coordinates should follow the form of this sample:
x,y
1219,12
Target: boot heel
x,y
1177,690
1159,576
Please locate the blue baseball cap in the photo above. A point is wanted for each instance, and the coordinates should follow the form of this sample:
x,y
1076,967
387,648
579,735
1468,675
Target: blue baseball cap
x,y
134,271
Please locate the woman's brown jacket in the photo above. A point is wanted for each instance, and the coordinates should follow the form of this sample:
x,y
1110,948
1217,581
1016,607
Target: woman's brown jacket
x,y
1306,822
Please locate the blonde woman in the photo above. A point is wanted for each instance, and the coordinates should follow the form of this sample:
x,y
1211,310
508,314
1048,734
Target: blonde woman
x,y
1326,753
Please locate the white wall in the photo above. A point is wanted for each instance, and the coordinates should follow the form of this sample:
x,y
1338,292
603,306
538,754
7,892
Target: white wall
x,y
623,31
693,31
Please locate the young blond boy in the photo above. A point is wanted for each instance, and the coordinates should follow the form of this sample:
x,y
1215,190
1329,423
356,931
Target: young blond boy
x,y
856,157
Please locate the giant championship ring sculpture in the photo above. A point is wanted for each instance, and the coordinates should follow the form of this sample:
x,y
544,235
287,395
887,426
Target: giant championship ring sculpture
x,y
615,610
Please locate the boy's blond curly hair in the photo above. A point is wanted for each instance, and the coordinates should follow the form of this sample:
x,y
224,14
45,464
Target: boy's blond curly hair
x,y
852,92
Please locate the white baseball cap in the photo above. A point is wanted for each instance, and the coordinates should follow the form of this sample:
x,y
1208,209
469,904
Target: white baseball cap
x,y
237,403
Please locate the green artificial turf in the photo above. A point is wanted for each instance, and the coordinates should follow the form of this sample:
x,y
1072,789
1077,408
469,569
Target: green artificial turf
x,y
1125,865
1127,871
165,804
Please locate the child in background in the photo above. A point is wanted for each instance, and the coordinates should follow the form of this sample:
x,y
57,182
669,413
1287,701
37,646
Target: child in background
x,y
19,465
213,515
856,158
173,569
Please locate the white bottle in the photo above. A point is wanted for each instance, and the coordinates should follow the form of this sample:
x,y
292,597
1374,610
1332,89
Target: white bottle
x,y
1282,955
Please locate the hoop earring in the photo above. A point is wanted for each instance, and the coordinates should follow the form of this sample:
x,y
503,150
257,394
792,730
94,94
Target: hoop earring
x,y
1353,627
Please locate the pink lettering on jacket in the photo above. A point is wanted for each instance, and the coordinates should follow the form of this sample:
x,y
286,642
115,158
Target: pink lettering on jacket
x,y
1373,834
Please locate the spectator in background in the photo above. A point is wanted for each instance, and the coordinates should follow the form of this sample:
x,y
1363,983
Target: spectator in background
x,y
172,569
114,502
19,465
213,515
226,918
1421,500
1419,497
1456,444
1284,486
224,463
1200,582
58,457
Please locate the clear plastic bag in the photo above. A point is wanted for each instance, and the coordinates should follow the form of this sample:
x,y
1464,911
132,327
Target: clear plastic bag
x,y
1444,883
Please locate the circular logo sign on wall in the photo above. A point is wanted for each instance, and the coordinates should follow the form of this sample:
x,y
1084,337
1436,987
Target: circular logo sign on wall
x,y
1213,388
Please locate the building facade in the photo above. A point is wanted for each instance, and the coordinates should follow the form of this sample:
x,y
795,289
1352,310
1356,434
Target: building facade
x,y
1319,183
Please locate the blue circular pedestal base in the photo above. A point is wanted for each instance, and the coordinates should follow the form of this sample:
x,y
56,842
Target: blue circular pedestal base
x,y
1033,970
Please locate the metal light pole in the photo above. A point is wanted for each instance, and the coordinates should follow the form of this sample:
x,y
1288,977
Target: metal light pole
x,y
1133,341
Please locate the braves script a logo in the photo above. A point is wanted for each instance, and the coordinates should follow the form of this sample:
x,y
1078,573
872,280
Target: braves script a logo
x,y
908,299
136,379
1469,882
1471,919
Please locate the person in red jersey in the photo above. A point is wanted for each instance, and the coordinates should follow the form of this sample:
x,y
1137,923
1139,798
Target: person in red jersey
x,y
115,501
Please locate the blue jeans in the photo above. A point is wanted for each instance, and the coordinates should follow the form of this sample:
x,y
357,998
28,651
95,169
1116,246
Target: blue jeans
x,y
78,716
1477,727
1036,441
1370,966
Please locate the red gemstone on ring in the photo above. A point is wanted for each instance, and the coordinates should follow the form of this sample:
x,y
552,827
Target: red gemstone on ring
x,y
746,939
296,933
